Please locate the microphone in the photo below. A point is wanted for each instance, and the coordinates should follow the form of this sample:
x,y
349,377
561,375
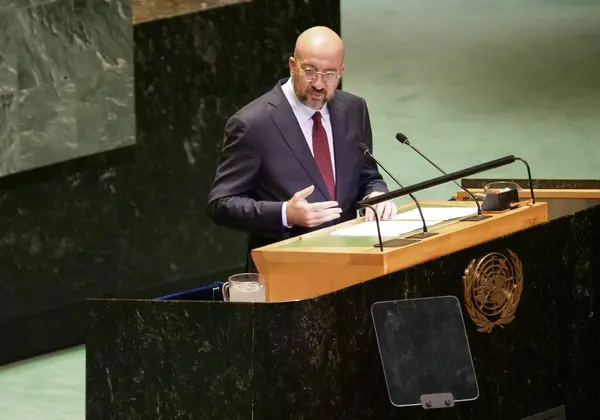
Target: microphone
x,y
425,234
480,216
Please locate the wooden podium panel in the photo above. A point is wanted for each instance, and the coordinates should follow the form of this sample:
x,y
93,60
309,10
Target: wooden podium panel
x,y
318,263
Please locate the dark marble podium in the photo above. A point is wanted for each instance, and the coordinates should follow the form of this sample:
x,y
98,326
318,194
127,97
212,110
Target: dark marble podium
x,y
319,359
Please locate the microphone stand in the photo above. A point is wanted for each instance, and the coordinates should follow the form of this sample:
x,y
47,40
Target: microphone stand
x,y
377,224
529,176
480,216
425,233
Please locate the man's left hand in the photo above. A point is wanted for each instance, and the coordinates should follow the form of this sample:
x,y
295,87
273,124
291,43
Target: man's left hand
x,y
385,211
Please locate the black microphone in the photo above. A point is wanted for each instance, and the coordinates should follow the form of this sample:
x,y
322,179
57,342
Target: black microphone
x,y
425,234
404,140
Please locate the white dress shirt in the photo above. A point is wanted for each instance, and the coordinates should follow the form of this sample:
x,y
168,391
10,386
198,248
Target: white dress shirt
x,y
304,115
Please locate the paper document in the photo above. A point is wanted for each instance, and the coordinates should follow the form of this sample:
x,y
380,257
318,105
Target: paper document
x,y
390,228
439,214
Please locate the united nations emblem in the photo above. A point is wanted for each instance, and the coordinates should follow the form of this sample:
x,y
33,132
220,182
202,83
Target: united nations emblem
x,y
492,286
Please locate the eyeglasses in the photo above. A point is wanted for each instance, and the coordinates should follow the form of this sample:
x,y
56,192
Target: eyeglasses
x,y
329,77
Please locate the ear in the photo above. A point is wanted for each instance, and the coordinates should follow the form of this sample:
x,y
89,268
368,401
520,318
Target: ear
x,y
342,68
292,65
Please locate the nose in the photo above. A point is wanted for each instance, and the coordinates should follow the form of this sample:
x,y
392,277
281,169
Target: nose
x,y
318,82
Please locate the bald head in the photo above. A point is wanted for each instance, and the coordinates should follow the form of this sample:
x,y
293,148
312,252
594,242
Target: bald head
x,y
317,65
319,40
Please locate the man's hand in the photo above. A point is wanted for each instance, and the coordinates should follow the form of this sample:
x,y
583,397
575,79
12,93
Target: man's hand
x,y
385,211
302,213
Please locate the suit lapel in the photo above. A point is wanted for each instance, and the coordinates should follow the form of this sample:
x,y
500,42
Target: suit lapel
x,y
341,147
285,120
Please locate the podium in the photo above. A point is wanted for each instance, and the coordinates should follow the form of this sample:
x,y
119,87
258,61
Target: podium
x,y
319,263
521,290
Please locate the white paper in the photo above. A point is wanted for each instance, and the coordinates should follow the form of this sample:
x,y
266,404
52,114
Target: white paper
x,y
438,214
388,228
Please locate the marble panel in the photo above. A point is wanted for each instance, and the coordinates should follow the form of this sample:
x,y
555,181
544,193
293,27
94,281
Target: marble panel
x,y
11,5
8,126
102,37
70,64
8,58
104,112
207,373
44,41
47,127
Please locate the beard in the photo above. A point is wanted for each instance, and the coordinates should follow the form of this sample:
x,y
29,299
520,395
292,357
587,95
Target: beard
x,y
307,99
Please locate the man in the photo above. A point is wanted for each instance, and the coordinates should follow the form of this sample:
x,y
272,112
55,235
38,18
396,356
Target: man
x,y
291,161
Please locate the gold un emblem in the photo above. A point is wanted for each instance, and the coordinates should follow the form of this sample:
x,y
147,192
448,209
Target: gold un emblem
x,y
493,285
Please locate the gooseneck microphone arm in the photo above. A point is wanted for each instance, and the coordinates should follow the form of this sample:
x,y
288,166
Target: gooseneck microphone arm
x,y
380,242
404,140
529,176
366,151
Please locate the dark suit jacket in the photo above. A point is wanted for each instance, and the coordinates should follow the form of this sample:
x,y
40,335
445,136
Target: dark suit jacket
x,y
266,159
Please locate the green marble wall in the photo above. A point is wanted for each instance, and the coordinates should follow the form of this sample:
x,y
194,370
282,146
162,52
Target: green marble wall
x,y
472,80
66,80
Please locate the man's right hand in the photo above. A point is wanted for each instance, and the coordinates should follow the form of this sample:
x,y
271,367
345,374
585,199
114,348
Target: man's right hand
x,y
300,212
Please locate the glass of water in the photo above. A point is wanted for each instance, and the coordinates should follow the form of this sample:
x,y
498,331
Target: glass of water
x,y
245,287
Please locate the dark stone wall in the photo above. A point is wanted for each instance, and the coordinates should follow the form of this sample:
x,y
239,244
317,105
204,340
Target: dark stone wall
x,y
132,222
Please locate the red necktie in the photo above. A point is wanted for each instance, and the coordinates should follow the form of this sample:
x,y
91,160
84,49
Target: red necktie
x,y
322,155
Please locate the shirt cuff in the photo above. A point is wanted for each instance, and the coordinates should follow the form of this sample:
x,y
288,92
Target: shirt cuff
x,y
284,215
